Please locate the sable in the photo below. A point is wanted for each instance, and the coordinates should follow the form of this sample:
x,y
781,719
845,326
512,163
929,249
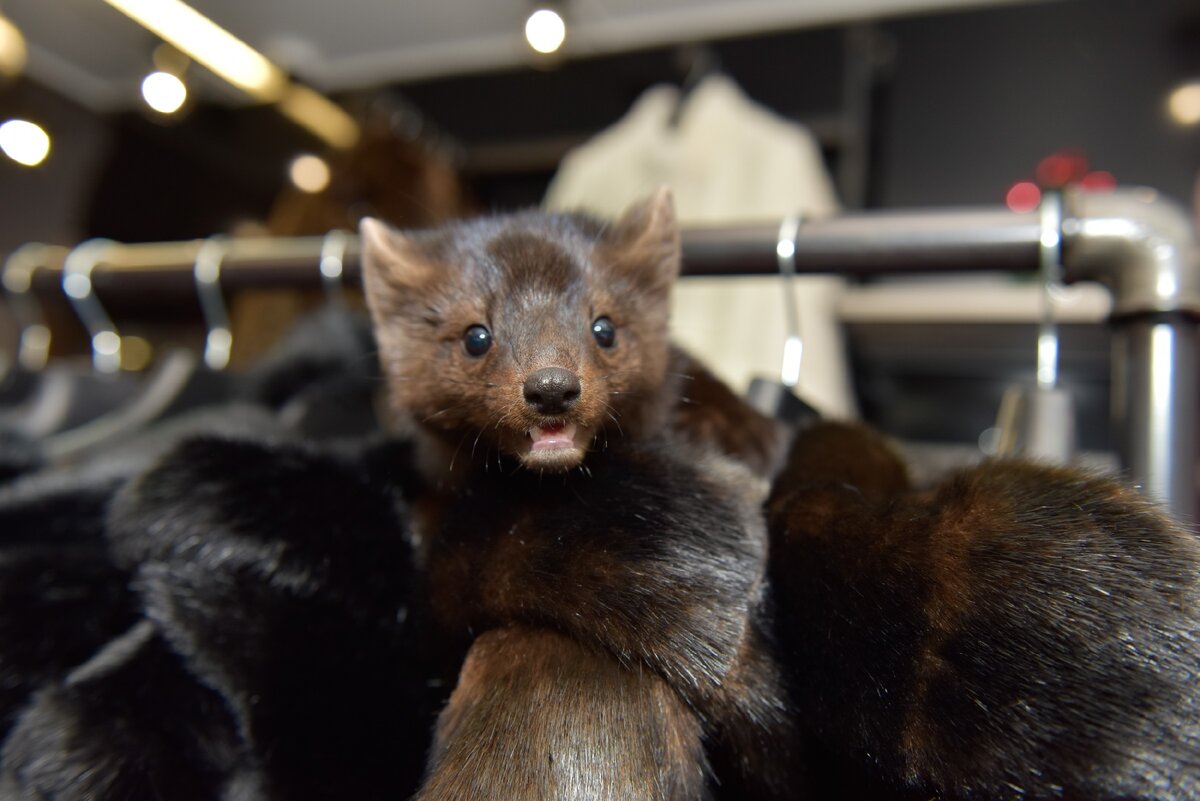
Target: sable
x,y
576,487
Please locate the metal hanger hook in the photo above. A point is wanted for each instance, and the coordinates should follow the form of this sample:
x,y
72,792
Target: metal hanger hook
x,y
218,342
33,344
793,346
1050,271
333,258
77,286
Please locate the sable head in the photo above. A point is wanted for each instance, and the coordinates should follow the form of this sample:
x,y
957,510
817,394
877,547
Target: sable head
x,y
536,335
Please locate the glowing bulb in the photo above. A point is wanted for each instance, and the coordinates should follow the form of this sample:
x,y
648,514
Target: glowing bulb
x,y
24,142
12,49
545,30
309,173
164,92
205,41
1184,104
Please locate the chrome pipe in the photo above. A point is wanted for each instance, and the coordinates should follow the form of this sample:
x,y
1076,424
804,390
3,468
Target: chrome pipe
x,y
1154,397
1143,248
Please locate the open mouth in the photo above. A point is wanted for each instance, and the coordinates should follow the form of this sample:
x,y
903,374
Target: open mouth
x,y
554,448
552,437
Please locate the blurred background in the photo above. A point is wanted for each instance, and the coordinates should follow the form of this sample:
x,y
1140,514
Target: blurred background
x,y
158,121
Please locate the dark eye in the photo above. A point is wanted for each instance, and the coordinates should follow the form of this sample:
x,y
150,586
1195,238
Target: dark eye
x,y
477,340
604,332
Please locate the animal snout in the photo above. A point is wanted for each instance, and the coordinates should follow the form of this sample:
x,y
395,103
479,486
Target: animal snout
x,y
552,390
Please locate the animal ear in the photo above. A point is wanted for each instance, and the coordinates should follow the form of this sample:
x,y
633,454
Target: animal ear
x,y
648,241
393,265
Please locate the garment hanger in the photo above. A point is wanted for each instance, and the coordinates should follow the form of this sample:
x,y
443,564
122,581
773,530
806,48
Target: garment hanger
x,y
65,395
778,399
180,382
696,62
333,258
1038,421
341,404
20,375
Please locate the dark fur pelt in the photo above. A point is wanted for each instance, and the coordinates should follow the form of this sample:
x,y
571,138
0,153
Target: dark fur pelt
x,y
274,582
652,560
61,595
131,723
1021,631
61,598
284,620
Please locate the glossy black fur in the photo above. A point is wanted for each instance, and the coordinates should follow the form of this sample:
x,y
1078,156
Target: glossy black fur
x,y
274,582
61,598
131,723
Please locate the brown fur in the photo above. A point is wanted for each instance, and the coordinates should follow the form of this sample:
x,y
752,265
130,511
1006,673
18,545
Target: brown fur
x,y
1018,631
709,412
569,722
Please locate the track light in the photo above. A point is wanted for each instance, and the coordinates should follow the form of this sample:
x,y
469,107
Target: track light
x,y
12,50
24,142
309,173
1184,103
207,43
164,92
545,30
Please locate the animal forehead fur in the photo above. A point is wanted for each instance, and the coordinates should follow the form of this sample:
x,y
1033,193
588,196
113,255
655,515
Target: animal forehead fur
x,y
546,255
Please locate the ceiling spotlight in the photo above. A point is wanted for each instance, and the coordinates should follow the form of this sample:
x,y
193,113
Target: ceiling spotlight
x,y
12,49
164,92
208,43
309,173
1184,103
24,142
545,30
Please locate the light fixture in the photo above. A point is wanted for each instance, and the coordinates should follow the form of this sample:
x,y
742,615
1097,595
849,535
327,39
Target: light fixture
x,y
24,142
12,49
1184,103
205,41
164,92
230,58
309,173
545,30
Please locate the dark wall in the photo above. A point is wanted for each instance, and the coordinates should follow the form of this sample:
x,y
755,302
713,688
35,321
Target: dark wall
x,y
49,203
970,103
977,99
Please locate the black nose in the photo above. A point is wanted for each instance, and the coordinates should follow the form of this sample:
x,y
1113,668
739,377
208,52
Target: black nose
x,y
552,390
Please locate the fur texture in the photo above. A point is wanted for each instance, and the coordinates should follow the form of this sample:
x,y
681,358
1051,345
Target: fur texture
x,y
598,730
1020,631
606,514
275,651
596,616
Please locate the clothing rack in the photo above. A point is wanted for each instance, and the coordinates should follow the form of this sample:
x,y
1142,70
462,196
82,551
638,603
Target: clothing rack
x,y
1139,245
